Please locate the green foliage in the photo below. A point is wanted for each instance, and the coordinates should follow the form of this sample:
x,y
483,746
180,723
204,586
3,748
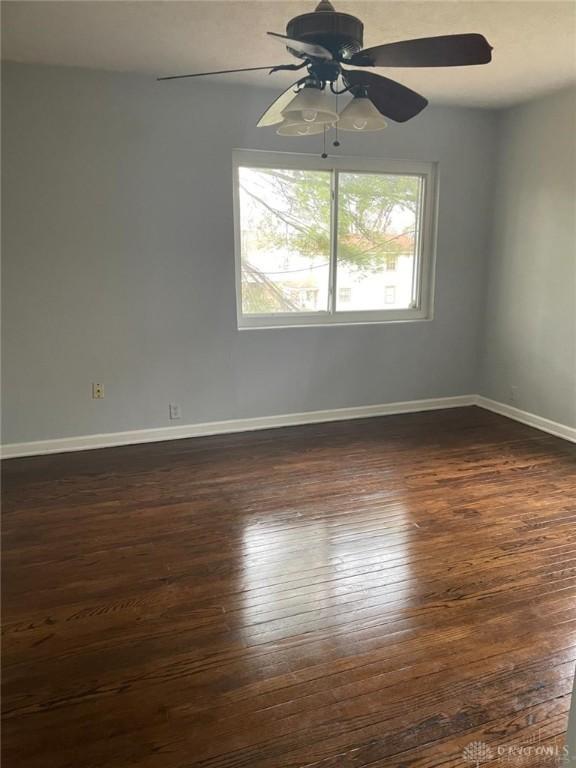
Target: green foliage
x,y
294,208
287,210
367,204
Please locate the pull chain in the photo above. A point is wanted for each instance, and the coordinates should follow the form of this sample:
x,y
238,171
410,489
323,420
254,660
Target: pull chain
x,y
336,142
324,153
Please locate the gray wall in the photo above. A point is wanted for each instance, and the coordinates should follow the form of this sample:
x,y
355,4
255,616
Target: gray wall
x,y
118,261
529,349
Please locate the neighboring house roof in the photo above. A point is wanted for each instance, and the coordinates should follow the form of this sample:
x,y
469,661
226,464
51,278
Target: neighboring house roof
x,y
401,242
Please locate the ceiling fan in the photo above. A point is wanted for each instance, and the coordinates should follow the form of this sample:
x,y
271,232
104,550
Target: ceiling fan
x,y
327,42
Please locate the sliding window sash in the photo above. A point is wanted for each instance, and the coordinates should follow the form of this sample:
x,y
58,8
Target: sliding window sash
x,y
423,277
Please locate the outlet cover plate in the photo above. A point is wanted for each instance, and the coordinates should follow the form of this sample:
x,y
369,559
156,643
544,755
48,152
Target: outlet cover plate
x,y
175,411
97,391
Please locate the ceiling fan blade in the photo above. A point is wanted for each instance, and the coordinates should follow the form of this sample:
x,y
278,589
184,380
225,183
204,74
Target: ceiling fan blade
x,y
442,51
390,98
273,114
219,72
302,49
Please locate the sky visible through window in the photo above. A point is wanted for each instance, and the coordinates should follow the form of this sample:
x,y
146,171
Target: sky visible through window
x,y
285,228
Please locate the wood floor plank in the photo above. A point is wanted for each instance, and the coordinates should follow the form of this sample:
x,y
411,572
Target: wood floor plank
x,y
372,593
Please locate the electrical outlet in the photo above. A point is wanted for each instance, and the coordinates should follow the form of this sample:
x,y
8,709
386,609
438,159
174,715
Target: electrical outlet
x,y
175,411
97,391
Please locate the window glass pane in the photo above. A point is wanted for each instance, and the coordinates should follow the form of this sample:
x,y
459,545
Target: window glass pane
x,y
378,218
285,240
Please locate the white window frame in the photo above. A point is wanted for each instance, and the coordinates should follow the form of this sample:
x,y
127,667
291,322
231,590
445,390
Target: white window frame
x,y
426,245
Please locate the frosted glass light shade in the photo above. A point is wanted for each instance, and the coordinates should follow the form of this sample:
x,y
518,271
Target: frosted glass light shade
x,y
361,115
291,128
310,105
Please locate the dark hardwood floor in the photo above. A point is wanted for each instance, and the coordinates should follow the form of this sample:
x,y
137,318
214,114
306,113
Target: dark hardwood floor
x,y
372,593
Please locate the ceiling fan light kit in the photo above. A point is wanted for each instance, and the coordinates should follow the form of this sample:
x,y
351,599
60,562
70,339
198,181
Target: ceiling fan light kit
x,y
311,105
361,115
290,128
327,43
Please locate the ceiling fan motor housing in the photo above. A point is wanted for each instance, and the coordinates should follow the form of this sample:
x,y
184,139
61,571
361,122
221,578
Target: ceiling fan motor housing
x,y
341,33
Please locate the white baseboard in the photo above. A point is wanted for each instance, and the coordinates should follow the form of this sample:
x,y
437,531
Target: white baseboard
x,y
531,419
108,440
159,434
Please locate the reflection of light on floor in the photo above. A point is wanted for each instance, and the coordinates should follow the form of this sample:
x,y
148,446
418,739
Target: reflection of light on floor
x,y
353,566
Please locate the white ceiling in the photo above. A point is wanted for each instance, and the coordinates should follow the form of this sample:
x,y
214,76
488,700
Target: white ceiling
x,y
534,42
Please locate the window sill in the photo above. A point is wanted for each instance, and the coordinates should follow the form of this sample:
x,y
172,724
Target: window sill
x,y
263,325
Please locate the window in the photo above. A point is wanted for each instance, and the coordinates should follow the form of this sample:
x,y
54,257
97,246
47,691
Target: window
x,y
316,238
391,263
344,294
390,294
